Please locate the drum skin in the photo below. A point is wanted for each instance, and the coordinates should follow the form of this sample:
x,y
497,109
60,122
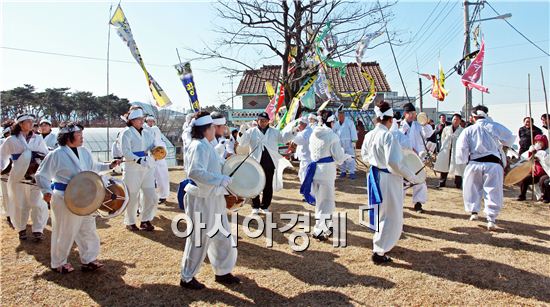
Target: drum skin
x,y
249,180
413,163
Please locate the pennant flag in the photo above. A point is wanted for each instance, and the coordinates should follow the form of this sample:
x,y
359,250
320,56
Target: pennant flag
x,y
275,103
122,26
269,89
441,76
473,72
292,111
324,59
186,76
363,45
459,67
438,92
372,91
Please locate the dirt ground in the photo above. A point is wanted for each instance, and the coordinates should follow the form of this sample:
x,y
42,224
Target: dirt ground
x,y
441,259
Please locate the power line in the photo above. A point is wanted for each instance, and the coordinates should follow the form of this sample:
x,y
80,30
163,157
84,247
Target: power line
x,y
523,35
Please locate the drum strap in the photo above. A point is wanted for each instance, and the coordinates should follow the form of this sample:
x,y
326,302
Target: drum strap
x,y
14,157
305,189
59,186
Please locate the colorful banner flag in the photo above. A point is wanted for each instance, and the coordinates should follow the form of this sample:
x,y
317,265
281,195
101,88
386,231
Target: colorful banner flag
x,y
269,89
275,103
363,45
292,111
186,76
325,59
122,26
438,92
372,91
473,72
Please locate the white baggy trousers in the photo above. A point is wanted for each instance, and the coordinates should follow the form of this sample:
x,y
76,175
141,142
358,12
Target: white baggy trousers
x,y
390,213
221,254
27,200
483,180
136,178
323,191
68,228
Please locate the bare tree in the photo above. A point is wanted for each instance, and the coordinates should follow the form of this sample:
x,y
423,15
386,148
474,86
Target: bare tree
x,y
273,30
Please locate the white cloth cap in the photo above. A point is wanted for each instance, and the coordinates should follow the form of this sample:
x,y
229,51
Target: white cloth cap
x,y
381,114
201,121
219,121
136,113
45,121
24,117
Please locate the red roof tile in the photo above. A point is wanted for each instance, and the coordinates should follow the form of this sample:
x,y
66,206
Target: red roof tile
x,y
253,81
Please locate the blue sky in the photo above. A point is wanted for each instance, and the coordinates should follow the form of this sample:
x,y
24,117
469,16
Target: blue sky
x,y
80,28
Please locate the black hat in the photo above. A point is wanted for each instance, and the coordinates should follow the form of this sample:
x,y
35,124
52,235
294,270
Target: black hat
x,y
409,107
263,115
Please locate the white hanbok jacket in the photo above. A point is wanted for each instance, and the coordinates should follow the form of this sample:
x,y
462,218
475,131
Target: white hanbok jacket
x,y
417,135
257,141
446,159
324,143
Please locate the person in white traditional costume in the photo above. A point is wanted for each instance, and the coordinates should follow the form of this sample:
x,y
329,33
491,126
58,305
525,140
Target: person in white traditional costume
x,y
446,159
139,171
205,203
302,146
479,146
186,132
21,146
318,185
6,208
220,142
50,138
312,118
382,151
59,167
346,131
161,170
417,135
263,142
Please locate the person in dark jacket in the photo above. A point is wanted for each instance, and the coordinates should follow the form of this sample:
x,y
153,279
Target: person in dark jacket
x,y
525,134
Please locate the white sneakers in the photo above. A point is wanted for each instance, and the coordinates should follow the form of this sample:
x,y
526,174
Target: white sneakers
x,y
264,211
491,226
474,217
255,211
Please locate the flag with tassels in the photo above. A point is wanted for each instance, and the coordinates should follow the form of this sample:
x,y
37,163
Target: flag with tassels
x,y
473,72
186,76
119,21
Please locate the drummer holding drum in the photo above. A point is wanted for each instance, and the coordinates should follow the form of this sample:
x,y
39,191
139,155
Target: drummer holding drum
x,y
52,177
21,147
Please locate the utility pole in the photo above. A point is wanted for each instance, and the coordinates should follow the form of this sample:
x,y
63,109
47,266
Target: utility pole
x,y
468,92
420,95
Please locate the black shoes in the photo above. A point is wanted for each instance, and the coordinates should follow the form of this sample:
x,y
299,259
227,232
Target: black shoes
x,y
147,226
227,279
37,236
132,227
23,235
377,259
192,285
418,208
162,201
521,198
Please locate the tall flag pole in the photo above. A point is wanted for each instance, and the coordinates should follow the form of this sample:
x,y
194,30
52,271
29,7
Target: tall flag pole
x,y
122,25
108,104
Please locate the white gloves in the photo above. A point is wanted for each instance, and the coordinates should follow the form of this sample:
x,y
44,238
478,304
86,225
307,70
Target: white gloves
x,y
226,180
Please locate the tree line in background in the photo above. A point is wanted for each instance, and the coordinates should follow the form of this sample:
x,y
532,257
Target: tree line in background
x,y
59,104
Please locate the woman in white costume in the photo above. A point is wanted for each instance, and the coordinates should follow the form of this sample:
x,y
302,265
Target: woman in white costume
x,y
59,167
50,138
385,183
161,170
6,205
139,171
318,186
446,159
205,203
26,198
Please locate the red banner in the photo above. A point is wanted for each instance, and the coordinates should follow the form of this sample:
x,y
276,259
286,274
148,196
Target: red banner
x,y
473,72
275,103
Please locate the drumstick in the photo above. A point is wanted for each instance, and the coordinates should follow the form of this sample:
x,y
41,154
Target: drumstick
x,y
420,170
242,162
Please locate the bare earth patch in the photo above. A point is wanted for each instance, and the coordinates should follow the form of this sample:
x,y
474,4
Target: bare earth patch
x,y
441,259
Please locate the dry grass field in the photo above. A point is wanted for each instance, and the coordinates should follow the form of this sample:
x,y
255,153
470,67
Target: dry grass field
x,y
441,259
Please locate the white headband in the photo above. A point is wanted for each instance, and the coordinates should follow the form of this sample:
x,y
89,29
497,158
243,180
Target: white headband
x,y
312,116
150,117
381,114
6,130
219,121
479,113
304,119
201,121
136,113
69,129
331,118
45,121
24,117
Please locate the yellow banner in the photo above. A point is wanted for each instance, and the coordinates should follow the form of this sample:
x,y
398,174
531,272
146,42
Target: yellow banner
x,y
122,26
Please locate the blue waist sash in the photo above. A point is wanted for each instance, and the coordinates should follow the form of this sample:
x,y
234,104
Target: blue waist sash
x,y
305,189
375,195
181,191
140,154
59,186
14,157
